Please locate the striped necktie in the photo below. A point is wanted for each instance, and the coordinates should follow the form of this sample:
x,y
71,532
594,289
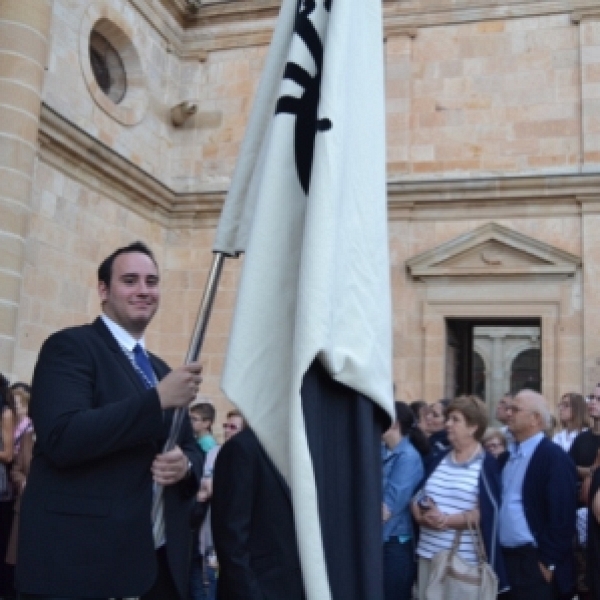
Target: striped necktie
x,y
149,380
141,360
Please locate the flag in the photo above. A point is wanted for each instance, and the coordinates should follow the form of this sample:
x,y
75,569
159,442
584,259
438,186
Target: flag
x,y
309,357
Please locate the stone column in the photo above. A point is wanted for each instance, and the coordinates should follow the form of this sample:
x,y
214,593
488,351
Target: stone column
x,y
590,251
24,31
497,366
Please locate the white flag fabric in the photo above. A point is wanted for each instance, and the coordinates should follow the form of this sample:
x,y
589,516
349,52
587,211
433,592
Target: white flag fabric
x,y
308,206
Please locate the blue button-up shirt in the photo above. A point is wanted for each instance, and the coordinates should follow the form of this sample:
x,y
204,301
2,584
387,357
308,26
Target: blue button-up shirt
x,y
514,530
402,472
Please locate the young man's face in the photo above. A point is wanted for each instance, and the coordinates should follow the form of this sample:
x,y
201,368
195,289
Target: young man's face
x,y
200,425
133,296
232,427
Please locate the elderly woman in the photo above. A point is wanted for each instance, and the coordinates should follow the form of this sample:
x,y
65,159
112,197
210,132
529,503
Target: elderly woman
x,y
494,442
461,485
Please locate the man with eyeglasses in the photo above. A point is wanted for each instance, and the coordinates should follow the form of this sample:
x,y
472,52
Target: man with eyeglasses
x,y
537,513
234,424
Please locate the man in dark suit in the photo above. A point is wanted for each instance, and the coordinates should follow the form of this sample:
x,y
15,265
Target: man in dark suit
x,y
102,409
253,525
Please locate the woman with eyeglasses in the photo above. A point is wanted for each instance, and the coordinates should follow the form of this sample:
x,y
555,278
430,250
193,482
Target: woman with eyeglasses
x,y
573,417
461,486
494,442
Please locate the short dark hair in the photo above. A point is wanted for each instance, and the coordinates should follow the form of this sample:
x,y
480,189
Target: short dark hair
x,y
205,410
408,427
105,268
417,406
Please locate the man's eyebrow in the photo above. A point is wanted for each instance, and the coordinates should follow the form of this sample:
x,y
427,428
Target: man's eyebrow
x,y
150,275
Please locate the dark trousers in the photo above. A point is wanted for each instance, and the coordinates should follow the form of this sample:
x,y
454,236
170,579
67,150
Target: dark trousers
x,y
43,597
163,588
6,571
525,576
399,569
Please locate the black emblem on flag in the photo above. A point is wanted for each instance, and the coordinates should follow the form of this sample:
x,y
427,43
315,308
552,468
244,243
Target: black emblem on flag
x,y
306,107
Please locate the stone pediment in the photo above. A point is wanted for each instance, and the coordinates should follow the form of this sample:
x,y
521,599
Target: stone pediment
x,y
493,250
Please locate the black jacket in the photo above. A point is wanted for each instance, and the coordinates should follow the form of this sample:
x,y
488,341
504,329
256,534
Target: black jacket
x,y
85,526
253,525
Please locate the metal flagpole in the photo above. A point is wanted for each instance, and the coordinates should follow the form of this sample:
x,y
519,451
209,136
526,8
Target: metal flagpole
x,y
210,291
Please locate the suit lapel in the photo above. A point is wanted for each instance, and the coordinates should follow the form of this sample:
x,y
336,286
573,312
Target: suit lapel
x,y
107,337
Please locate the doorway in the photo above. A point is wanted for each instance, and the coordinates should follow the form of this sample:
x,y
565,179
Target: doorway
x,y
492,356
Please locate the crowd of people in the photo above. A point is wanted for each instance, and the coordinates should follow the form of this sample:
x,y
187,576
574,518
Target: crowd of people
x,y
99,491
528,490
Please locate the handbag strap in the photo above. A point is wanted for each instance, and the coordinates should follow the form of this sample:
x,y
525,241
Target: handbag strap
x,y
475,532
456,541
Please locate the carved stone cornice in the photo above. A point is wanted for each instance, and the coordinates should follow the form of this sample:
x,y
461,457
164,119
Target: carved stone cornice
x,y
420,14
220,26
228,24
87,160
82,157
507,196
589,14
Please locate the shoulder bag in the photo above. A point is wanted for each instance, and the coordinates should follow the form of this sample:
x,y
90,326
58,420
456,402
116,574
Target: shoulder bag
x,y
452,578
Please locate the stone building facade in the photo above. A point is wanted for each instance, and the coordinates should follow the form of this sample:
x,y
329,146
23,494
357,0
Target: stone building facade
x,y
493,173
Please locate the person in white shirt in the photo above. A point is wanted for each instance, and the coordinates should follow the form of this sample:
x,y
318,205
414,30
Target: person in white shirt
x,y
573,417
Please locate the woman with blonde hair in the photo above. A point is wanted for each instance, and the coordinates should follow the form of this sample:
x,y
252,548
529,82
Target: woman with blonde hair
x,y
573,417
494,441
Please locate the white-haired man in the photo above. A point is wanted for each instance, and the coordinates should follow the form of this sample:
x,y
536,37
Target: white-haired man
x,y
537,514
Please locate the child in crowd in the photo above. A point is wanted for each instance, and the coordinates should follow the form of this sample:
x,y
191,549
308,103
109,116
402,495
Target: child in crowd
x,y
202,416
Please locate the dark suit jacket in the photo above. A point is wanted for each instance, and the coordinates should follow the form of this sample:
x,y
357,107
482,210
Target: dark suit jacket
x,y
85,518
550,502
253,525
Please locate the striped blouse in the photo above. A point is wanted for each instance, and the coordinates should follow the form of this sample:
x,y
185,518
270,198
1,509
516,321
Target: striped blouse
x,y
455,489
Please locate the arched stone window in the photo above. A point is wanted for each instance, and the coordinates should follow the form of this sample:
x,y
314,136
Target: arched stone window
x,y
525,371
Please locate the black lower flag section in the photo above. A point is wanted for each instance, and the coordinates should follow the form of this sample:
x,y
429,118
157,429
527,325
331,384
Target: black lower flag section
x,y
344,437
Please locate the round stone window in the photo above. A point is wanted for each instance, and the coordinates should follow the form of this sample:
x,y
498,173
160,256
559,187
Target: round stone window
x,y
110,63
107,67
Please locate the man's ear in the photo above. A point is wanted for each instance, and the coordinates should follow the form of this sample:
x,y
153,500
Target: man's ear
x,y
102,291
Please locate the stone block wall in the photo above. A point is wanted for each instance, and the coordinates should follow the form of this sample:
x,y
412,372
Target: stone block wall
x,y
479,99
485,98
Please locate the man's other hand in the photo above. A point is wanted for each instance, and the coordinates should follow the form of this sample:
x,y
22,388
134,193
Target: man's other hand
x,y
170,467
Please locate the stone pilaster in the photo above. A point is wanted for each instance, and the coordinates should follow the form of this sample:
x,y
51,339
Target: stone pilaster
x,y
24,30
